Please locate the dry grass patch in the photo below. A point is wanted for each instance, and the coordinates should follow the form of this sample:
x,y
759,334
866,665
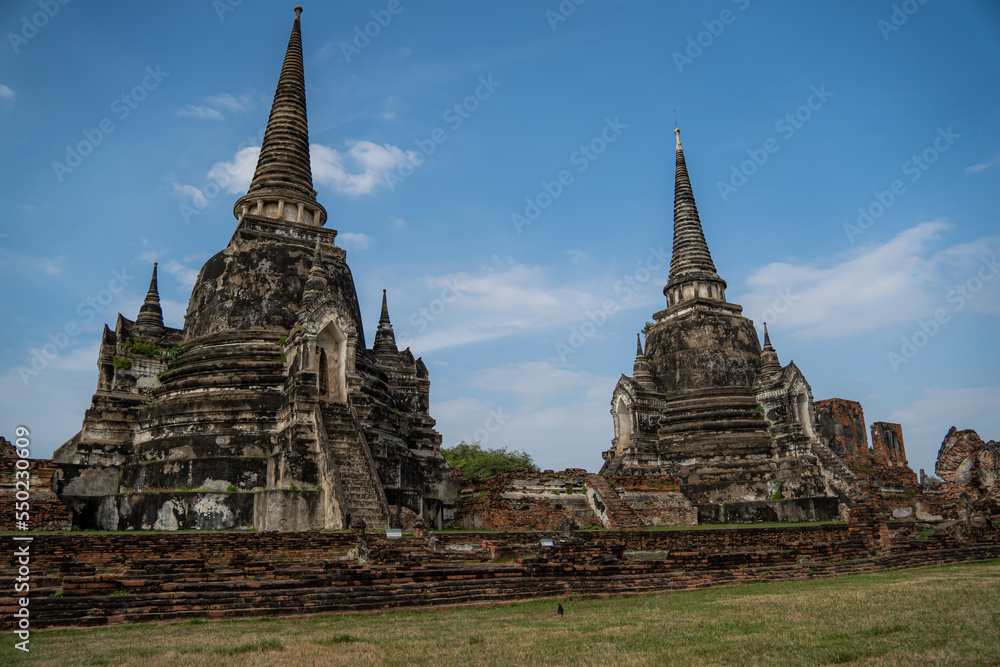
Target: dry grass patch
x,y
944,615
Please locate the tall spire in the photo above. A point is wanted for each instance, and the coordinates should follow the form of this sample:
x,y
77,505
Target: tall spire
x,y
150,318
282,185
385,339
692,272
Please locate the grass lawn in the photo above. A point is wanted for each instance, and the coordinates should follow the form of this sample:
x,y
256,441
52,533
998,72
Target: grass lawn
x,y
947,615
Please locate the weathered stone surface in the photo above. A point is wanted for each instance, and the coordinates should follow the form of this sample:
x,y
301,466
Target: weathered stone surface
x,y
267,410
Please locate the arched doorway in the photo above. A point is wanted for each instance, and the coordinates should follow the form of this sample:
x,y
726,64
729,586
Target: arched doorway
x,y
623,425
331,353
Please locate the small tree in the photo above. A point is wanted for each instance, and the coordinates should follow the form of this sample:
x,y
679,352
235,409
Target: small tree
x,y
474,461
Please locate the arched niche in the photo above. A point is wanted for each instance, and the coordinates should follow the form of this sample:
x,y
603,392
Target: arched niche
x,y
623,425
331,363
802,409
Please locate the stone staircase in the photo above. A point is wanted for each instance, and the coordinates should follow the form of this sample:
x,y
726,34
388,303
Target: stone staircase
x,y
363,495
840,477
619,515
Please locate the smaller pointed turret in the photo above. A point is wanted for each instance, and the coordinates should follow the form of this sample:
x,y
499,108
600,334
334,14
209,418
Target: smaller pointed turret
x,y
640,369
316,284
769,364
385,339
150,319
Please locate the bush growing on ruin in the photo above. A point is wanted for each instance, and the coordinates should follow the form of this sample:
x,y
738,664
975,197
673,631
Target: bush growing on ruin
x,y
474,461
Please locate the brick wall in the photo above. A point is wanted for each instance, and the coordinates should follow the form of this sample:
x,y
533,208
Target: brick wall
x,y
45,510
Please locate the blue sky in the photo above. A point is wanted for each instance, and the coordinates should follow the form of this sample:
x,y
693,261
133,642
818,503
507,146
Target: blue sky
x,y
129,129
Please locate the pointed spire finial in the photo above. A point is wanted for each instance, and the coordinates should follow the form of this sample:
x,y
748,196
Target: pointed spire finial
x,y
640,369
384,317
282,186
385,339
769,365
316,284
150,318
692,272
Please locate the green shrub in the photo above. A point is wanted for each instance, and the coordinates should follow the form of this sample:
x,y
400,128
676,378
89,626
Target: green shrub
x,y
232,489
121,363
474,461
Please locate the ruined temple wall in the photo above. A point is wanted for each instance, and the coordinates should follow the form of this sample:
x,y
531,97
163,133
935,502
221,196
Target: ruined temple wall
x,y
543,501
44,511
841,424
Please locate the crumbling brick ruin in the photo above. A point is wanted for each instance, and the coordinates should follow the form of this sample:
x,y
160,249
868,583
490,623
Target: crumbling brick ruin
x,y
543,501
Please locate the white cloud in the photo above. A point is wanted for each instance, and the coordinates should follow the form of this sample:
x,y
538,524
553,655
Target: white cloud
x,y
560,417
369,163
6,94
191,193
898,281
31,266
234,176
504,300
352,240
200,111
989,162
230,103
926,421
184,274
215,106
361,170
396,222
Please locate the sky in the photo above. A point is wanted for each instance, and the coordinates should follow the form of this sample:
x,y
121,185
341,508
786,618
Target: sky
x,y
505,171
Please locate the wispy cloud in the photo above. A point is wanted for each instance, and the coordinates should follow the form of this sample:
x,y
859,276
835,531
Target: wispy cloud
x,y
903,279
926,421
504,299
6,94
396,222
560,416
354,240
986,164
200,111
215,105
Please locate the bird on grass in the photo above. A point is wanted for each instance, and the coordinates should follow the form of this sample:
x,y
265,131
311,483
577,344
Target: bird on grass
x,y
559,610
